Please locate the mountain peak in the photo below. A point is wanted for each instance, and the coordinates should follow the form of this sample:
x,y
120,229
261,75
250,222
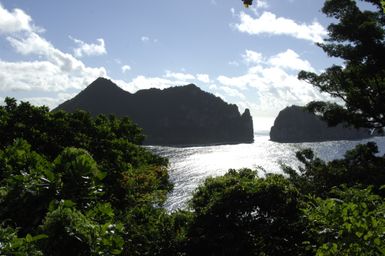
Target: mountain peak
x,y
100,79
95,96
103,86
102,82
191,86
180,115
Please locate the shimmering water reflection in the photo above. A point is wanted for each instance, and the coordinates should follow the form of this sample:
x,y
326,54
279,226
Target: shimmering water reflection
x,y
191,165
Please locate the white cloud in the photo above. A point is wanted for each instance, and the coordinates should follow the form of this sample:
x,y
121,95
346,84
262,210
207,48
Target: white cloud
x,y
252,57
213,87
53,71
92,49
147,39
269,23
232,92
258,5
63,68
287,60
179,76
290,60
169,79
50,102
240,82
125,68
15,21
30,43
273,83
233,63
44,76
143,82
204,78
262,4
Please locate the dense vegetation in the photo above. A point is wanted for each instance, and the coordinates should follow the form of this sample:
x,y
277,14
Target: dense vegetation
x,y
85,187
72,184
359,40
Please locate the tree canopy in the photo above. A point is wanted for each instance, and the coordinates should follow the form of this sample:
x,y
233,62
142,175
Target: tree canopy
x,y
73,184
358,38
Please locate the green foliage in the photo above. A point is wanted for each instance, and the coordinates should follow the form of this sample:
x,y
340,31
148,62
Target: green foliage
x,y
302,213
242,214
25,185
359,167
50,132
345,207
70,232
144,185
348,220
73,179
383,5
11,244
358,38
78,177
351,223
155,231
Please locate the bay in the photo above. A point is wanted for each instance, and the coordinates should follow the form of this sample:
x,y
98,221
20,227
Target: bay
x,y
190,166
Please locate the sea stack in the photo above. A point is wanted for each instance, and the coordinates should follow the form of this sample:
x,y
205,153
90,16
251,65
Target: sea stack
x,y
295,124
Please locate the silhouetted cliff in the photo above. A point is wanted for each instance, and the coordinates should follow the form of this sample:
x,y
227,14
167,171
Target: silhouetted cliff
x,y
295,124
183,115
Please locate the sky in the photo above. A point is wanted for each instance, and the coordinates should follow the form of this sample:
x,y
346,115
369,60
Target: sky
x,y
51,50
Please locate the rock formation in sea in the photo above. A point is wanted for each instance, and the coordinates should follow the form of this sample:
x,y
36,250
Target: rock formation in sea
x,y
182,115
295,124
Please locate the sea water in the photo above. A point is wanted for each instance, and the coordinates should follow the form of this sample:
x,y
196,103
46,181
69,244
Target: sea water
x,y
190,166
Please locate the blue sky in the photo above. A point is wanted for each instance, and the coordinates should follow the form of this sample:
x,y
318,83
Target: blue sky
x,y
51,50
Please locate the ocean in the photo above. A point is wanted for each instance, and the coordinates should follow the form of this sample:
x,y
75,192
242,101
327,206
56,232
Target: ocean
x,y
190,166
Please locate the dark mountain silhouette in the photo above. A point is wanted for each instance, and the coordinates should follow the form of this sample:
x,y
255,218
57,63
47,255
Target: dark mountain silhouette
x,y
295,124
183,115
